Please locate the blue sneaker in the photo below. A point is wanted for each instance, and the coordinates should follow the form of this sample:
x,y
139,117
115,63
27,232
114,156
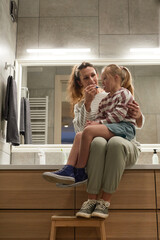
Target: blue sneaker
x,y
80,178
80,175
66,175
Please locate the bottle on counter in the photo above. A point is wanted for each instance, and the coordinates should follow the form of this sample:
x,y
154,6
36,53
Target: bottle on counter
x,y
42,159
155,159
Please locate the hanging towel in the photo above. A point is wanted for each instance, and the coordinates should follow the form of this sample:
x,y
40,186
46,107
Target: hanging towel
x,y
22,125
25,121
10,112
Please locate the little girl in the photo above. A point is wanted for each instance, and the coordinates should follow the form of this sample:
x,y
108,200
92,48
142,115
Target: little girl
x,y
112,120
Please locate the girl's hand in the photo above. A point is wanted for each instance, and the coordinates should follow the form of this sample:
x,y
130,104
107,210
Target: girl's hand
x,y
91,123
134,110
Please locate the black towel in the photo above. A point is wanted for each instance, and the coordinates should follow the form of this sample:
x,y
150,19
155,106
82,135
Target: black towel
x,y
10,112
25,121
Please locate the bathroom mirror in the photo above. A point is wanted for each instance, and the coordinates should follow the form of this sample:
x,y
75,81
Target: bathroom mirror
x,y
45,83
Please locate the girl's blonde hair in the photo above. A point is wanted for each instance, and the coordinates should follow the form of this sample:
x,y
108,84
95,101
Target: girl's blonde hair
x,y
123,73
75,92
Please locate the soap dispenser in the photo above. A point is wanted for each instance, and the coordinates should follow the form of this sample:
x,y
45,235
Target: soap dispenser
x,y
155,159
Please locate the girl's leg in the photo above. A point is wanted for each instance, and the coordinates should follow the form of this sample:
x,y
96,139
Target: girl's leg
x,y
88,134
73,156
67,174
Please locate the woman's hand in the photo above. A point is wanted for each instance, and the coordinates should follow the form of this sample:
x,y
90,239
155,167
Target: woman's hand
x,y
134,111
89,93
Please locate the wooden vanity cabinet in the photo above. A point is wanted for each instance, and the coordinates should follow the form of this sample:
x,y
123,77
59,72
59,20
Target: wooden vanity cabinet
x,y
158,188
27,203
136,191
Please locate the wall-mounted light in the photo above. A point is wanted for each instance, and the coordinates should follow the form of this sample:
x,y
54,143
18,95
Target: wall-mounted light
x,y
59,50
145,50
145,53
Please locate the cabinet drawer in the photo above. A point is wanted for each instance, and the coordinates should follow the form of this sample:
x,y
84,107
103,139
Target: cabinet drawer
x,y
124,224
31,225
158,188
28,190
136,191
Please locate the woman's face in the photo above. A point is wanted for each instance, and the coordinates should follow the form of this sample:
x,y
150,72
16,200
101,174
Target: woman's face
x,y
88,76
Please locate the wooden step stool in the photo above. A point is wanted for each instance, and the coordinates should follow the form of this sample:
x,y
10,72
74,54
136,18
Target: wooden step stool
x,y
72,221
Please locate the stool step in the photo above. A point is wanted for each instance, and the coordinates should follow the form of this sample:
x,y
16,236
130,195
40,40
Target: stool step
x,y
73,221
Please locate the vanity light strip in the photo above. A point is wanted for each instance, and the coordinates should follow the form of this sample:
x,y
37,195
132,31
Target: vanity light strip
x,y
60,50
145,50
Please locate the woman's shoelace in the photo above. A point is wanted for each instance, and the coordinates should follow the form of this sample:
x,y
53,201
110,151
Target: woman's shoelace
x,y
88,204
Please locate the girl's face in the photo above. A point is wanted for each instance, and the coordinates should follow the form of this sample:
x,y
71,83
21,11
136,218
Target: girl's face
x,y
109,82
88,76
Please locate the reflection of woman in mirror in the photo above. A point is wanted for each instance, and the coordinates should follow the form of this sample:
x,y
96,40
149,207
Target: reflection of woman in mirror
x,y
107,159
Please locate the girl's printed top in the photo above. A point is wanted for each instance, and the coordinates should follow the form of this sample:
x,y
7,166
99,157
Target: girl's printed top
x,y
113,108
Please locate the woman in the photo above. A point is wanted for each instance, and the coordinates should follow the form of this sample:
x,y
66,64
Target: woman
x,y
107,160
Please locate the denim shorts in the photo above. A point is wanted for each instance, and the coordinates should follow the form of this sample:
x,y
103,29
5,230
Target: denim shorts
x,y
123,129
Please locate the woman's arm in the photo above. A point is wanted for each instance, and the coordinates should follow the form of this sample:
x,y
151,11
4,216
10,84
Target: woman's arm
x,y
82,110
135,112
80,117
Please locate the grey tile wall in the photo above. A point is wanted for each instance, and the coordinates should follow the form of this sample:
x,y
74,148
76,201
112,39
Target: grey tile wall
x,y
109,27
28,8
113,17
76,8
151,99
143,16
27,35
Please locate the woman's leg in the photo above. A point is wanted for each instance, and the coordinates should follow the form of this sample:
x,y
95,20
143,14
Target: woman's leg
x,y
95,167
88,134
120,154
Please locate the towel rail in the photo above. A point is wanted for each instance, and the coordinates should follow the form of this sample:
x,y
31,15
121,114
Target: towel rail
x,y
39,119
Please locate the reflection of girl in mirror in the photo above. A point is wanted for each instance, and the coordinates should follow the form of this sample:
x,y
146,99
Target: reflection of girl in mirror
x,y
85,98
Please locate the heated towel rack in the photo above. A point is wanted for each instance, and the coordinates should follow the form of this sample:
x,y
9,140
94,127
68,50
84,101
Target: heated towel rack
x,y
39,119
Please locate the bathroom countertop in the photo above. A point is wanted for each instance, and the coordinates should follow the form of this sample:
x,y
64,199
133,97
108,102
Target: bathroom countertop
x,y
49,167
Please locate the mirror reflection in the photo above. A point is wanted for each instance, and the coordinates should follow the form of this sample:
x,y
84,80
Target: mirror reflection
x,y
51,118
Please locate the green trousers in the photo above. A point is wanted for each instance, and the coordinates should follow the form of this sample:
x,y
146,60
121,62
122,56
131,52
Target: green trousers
x,y
107,162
